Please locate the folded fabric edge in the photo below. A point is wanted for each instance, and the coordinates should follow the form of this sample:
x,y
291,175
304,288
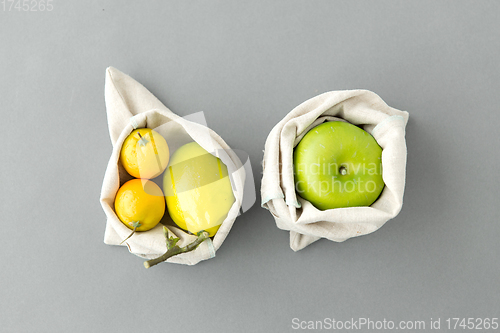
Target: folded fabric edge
x,y
299,241
270,197
205,251
387,121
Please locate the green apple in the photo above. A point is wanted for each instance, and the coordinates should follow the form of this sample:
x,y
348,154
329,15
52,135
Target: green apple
x,y
337,164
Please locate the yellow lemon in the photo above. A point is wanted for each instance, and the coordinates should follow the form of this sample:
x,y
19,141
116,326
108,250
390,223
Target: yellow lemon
x,y
140,204
144,153
197,189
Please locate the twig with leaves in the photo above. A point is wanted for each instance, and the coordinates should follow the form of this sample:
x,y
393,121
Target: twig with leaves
x,y
173,249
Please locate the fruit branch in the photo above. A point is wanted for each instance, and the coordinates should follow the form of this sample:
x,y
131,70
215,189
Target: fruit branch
x,y
135,224
173,249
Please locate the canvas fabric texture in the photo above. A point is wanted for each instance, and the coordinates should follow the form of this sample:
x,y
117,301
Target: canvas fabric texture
x,y
305,222
130,105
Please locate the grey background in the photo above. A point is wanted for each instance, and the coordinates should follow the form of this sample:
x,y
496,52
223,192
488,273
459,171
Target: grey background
x,y
246,65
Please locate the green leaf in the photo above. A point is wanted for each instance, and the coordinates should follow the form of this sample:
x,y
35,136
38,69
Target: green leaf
x,y
135,224
170,240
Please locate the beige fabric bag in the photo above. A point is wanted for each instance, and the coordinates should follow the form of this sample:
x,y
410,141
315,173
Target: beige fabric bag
x,y
129,105
306,223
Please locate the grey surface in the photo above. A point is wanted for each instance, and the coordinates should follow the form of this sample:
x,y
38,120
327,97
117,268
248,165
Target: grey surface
x,y
246,66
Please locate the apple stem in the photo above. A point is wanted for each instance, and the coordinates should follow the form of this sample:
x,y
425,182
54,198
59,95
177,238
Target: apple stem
x,y
343,171
173,249
133,232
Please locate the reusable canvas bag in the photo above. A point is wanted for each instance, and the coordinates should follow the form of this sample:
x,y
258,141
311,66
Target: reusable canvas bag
x,y
305,222
129,105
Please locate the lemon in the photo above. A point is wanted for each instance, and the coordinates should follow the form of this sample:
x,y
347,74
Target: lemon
x,y
144,153
197,189
139,204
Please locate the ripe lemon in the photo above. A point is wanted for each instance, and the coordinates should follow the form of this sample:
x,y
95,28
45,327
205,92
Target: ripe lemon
x,y
197,189
140,201
144,153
